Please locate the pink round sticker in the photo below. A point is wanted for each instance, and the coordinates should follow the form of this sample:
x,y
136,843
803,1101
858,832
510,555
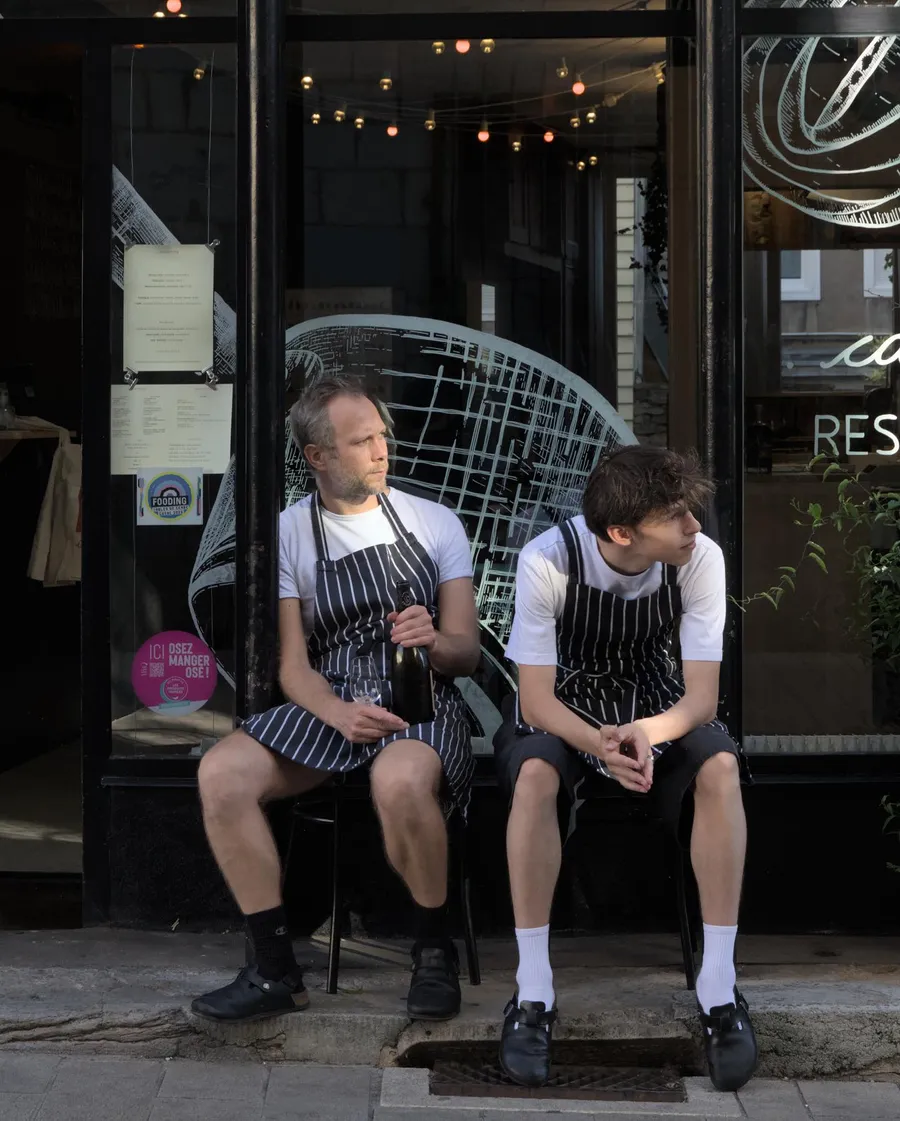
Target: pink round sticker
x,y
174,673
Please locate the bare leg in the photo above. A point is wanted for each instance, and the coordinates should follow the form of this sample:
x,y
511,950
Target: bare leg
x,y
719,839
236,777
406,778
533,845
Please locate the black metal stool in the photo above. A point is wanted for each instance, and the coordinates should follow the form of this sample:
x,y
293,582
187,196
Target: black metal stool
x,y
330,800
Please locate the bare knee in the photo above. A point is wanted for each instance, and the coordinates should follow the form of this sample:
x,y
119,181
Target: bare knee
x,y
402,786
537,784
719,776
233,774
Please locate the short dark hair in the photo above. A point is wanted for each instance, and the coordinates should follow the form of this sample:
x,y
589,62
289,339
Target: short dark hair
x,y
310,422
636,481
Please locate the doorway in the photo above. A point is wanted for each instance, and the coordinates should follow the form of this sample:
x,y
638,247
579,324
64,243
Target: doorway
x,y
40,368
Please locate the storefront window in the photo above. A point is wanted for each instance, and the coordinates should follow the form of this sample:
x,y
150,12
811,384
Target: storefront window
x,y
89,9
822,343
172,549
487,232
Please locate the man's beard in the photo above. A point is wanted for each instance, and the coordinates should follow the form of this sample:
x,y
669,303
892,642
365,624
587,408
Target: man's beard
x,y
356,489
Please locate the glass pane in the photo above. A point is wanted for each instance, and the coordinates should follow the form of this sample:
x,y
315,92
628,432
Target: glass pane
x,y
367,7
821,235
87,9
496,245
172,557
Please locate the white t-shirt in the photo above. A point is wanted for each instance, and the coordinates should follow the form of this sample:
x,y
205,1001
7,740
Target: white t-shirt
x,y
541,578
436,527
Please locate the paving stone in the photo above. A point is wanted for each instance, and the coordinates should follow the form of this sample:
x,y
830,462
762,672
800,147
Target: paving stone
x,y
232,1082
119,1076
19,1107
27,1074
319,1090
852,1101
769,1099
198,1109
93,1107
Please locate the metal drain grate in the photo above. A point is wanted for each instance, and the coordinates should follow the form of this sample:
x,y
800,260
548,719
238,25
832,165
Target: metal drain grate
x,y
599,1084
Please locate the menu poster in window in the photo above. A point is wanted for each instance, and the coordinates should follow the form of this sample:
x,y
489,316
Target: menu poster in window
x,y
186,427
168,293
168,497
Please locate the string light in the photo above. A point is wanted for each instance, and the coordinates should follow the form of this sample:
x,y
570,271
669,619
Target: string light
x,y
359,122
591,115
593,161
385,83
659,73
578,87
430,122
581,165
611,100
306,81
549,136
462,46
316,118
575,121
439,46
199,73
562,71
138,46
159,15
484,133
173,6
340,115
392,129
517,145
488,45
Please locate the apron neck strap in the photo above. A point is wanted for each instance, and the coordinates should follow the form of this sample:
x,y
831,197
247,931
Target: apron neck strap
x,y
670,575
391,514
318,526
575,566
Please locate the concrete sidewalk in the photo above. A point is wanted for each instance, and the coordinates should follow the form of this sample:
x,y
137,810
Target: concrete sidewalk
x,y
823,1007
40,1087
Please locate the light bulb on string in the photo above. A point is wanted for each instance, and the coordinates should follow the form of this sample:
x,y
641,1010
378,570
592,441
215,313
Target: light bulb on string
x,y
611,100
488,45
463,46
575,121
159,15
659,73
593,161
340,115
315,118
549,136
439,46
138,46
385,84
359,122
562,71
591,115
581,165
392,129
517,145
430,122
307,81
484,133
173,6
578,86
199,73
182,15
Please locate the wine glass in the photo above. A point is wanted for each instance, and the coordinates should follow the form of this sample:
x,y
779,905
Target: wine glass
x,y
365,684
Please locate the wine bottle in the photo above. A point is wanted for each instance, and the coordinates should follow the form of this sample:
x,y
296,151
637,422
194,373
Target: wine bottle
x,y
412,689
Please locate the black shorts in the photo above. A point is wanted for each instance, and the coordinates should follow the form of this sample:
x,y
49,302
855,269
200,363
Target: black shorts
x,y
674,771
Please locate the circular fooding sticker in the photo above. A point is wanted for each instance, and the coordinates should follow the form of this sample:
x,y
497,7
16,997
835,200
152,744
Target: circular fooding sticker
x,y
174,673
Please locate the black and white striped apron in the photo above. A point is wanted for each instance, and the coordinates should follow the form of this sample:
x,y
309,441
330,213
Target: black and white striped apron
x,y
354,596
615,661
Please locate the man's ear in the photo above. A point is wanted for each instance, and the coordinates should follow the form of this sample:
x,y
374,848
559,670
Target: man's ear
x,y
619,535
315,456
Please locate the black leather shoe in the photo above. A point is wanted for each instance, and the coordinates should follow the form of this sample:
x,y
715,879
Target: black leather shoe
x,y
252,997
730,1043
434,990
525,1042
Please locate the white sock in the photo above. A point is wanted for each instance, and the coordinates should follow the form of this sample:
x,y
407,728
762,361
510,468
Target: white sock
x,y
534,976
715,983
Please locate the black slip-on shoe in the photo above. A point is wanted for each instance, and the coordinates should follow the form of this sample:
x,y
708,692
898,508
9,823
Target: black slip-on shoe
x,y
434,989
730,1042
252,997
525,1042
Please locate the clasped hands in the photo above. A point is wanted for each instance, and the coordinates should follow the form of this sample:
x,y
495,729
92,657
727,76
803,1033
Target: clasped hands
x,y
627,755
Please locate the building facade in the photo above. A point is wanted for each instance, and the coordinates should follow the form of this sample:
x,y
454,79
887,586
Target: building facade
x,y
544,230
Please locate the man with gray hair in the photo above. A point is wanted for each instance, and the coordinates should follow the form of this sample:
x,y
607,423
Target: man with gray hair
x,y
344,550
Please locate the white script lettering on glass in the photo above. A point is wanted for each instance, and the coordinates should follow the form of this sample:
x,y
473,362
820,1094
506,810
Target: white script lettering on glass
x,y
882,356
853,428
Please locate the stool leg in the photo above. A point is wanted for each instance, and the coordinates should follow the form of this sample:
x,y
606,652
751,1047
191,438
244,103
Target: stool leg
x,y
684,924
334,947
465,898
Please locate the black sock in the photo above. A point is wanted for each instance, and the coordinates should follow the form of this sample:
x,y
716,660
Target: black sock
x,y
431,925
272,943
